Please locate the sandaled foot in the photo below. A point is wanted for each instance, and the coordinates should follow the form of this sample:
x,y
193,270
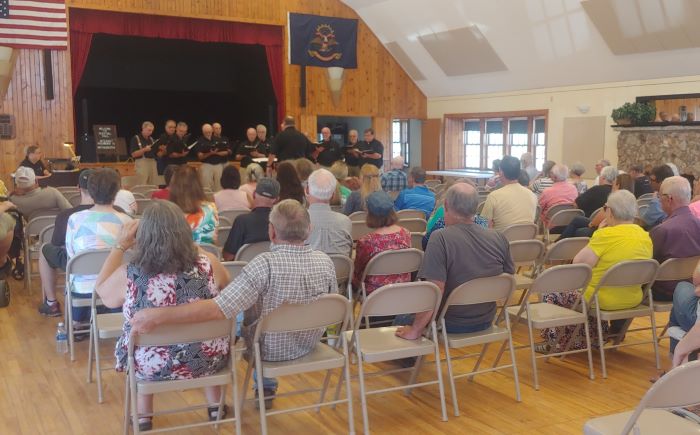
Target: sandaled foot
x,y
543,348
214,413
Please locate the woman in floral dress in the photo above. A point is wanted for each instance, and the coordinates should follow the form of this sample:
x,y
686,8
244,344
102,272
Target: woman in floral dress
x,y
166,269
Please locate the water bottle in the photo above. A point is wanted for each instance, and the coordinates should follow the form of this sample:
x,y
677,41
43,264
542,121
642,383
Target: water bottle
x,y
61,339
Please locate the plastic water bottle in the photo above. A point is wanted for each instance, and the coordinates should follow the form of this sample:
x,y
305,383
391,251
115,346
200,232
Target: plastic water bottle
x,y
61,339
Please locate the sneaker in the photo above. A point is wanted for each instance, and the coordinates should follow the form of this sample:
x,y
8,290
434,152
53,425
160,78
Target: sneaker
x,y
50,310
214,412
268,394
145,424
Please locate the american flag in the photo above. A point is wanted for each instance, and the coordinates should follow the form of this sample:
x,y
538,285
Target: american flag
x,y
33,24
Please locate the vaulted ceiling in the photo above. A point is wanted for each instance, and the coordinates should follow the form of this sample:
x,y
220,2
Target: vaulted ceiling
x,y
460,47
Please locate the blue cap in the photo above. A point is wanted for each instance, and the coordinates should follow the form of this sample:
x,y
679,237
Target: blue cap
x,y
380,203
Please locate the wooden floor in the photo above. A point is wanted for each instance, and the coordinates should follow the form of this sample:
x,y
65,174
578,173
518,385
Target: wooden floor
x,y
42,392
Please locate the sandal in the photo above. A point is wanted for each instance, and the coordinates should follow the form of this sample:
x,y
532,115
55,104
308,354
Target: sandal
x,y
214,412
544,348
18,271
145,424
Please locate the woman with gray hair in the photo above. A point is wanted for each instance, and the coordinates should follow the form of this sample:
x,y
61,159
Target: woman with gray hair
x,y
617,239
576,174
166,269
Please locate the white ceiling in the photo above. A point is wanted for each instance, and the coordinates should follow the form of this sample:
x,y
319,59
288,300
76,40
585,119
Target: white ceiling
x,y
543,43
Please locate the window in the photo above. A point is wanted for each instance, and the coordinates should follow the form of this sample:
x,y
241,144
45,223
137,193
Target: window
x,y
490,136
399,140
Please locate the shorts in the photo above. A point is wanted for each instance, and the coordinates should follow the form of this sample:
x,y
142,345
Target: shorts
x,y
7,225
56,256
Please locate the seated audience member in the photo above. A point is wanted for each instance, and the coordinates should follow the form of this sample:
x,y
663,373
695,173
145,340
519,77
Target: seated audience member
x,y
125,202
619,240
290,184
395,180
461,252
29,198
654,214
53,255
682,322
582,226
268,281
600,164
94,228
678,236
166,269
253,227
340,172
304,168
594,198
387,236
544,180
253,173
7,230
437,220
417,196
642,183
33,160
369,179
495,181
187,192
164,193
674,168
512,203
560,193
576,175
524,179
527,163
331,232
230,197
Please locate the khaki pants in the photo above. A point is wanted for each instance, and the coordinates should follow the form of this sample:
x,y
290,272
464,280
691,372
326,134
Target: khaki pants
x,y
211,175
147,171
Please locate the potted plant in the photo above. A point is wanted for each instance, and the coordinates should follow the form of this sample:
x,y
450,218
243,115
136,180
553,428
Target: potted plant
x,y
634,114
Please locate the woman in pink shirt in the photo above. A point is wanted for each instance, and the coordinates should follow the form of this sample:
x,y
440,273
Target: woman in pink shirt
x,y
230,197
561,192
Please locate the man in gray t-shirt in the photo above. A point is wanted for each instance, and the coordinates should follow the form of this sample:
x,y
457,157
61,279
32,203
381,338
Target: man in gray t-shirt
x,y
460,252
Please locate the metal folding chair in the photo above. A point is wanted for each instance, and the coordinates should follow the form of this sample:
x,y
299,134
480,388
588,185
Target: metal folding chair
x,y
251,250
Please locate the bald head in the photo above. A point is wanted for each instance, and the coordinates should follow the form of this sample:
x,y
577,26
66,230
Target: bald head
x,y
207,129
397,162
461,202
251,134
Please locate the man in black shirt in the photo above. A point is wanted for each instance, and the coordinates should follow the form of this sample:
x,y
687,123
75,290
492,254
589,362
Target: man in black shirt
x,y
265,143
253,227
142,149
642,183
177,151
33,160
213,157
352,159
162,142
222,141
289,144
328,151
53,255
370,150
250,147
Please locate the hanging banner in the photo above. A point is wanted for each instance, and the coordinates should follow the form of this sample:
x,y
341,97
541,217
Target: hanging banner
x,y
322,41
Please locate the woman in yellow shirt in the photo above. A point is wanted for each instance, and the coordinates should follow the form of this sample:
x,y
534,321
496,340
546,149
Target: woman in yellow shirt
x,y
617,239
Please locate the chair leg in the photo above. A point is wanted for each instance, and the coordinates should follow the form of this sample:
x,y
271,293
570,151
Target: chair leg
x,y
235,395
134,405
414,375
326,380
90,346
127,397
589,351
601,346
98,366
450,374
69,327
246,381
343,375
661,335
438,368
261,391
363,395
515,368
533,357
499,355
655,341
484,348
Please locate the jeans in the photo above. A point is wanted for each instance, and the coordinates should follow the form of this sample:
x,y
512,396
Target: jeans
x,y
684,311
268,383
82,314
578,227
407,319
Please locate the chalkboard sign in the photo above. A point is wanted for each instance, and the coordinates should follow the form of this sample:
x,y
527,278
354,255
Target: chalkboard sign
x,y
105,139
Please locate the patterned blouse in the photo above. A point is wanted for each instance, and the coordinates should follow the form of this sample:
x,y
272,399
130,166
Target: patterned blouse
x,y
204,223
181,361
371,245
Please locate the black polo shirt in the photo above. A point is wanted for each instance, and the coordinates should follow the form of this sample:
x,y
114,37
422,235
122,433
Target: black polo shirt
x,y
246,148
137,142
248,228
291,144
350,158
176,145
330,154
38,167
642,185
205,145
373,147
264,146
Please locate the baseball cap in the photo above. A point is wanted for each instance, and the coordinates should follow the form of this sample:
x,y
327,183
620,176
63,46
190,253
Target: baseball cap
x,y
25,177
83,178
268,187
380,203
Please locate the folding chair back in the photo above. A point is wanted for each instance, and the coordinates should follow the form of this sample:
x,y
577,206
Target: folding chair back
x,y
232,214
417,240
142,205
628,273
394,262
168,335
74,199
410,214
41,213
234,268
647,196
413,225
564,217
402,298
343,272
595,213
677,269
212,249
643,201
251,250
480,290
37,224
143,189
222,234
526,252
480,207
565,249
358,216
327,310
557,208
360,229
224,221
524,231
642,209
46,234
87,262
563,278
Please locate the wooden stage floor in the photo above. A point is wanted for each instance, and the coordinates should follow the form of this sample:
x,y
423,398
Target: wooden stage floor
x,y
42,392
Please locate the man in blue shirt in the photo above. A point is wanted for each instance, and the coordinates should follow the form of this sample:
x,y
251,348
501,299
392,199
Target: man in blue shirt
x,y
655,214
417,196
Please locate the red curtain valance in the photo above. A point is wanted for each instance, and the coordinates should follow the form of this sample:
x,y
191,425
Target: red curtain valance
x,y
84,23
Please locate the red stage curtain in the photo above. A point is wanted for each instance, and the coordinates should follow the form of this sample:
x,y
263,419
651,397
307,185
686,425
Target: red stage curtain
x,y
84,23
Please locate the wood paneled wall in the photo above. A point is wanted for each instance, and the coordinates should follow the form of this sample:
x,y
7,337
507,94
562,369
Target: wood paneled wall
x,y
378,88
692,105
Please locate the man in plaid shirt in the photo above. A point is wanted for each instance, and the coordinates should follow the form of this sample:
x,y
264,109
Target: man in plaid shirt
x,y
291,273
394,180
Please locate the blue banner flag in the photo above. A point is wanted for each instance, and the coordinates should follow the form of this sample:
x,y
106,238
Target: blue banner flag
x,y
322,41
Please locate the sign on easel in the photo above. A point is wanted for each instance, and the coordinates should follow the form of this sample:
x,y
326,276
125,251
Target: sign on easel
x,y
105,140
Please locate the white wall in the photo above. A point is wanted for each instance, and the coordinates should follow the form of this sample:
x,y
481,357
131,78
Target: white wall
x,y
563,102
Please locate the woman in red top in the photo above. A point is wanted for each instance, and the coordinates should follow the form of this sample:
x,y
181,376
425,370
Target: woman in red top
x,y
386,236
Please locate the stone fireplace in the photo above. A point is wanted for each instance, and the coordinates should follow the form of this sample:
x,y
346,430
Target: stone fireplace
x,y
678,144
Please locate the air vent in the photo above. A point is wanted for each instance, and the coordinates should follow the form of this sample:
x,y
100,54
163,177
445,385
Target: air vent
x,y
7,127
